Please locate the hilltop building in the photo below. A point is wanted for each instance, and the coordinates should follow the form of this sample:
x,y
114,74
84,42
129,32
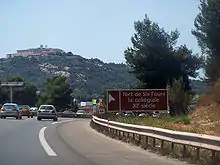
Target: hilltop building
x,y
41,51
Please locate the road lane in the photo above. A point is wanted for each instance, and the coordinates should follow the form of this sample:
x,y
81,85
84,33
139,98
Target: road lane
x,y
20,143
65,153
73,141
101,150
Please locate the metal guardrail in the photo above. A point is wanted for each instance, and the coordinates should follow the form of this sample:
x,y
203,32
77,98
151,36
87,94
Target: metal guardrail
x,y
199,141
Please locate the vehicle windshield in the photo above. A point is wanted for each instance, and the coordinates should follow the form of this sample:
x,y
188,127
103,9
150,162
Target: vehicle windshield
x,y
33,109
46,107
24,106
8,107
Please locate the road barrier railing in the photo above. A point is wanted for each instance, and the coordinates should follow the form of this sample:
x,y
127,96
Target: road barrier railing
x,y
199,141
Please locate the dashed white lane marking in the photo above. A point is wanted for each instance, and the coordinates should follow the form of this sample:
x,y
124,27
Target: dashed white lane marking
x,y
58,122
44,143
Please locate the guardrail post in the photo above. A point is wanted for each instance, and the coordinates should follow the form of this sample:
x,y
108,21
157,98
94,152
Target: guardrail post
x,y
119,134
154,142
162,144
172,146
123,134
146,142
197,153
213,155
184,151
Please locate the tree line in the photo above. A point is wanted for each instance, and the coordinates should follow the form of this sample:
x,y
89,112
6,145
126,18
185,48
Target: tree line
x,y
57,92
158,62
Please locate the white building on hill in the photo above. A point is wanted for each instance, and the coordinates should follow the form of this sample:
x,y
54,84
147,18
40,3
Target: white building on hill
x,y
41,51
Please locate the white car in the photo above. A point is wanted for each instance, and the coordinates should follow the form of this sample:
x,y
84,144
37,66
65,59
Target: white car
x,y
142,114
47,112
81,113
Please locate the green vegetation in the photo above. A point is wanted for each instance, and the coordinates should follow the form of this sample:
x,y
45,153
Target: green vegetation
x,y
27,95
87,77
207,33
146,61
155,59
58,93
158,63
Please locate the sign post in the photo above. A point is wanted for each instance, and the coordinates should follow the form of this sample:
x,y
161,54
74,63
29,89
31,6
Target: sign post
x,y
94,106
12,85
137,100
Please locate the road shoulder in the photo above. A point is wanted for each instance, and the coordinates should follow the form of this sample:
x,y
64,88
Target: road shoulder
x,y
103,150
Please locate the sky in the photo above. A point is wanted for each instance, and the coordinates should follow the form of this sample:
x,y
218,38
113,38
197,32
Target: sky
x,y
90,28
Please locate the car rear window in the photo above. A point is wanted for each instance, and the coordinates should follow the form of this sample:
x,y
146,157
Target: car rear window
x,y
46,107
23,106
9,107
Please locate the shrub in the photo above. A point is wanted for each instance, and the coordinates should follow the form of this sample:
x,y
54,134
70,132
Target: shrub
x,y
178,98
216,91
183,119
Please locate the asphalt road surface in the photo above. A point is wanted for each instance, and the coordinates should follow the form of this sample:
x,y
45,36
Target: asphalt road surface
x,y
66,142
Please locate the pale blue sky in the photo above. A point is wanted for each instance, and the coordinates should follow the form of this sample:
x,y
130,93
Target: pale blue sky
x,y
90,28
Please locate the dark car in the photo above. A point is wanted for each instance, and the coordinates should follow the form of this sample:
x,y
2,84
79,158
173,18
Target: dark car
x,y
68,114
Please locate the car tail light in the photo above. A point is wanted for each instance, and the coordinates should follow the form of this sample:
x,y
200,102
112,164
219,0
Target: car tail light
x,y
52,111
2,109
39,111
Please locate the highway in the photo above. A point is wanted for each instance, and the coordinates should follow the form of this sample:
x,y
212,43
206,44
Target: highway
x,y
67,142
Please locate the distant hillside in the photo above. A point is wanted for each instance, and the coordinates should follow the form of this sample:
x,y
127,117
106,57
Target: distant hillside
x,y
88,77
198,86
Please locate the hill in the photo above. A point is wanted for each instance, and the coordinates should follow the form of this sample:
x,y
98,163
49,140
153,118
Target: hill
x,y
88,77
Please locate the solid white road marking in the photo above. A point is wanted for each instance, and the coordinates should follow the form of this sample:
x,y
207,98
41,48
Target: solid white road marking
x,y
62,121
44,143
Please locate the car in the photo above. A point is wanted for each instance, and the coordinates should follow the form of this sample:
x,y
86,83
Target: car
x,y
47,112
129,113
120,114
26,111
68,114
11,110
142,114
33,111
81,113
